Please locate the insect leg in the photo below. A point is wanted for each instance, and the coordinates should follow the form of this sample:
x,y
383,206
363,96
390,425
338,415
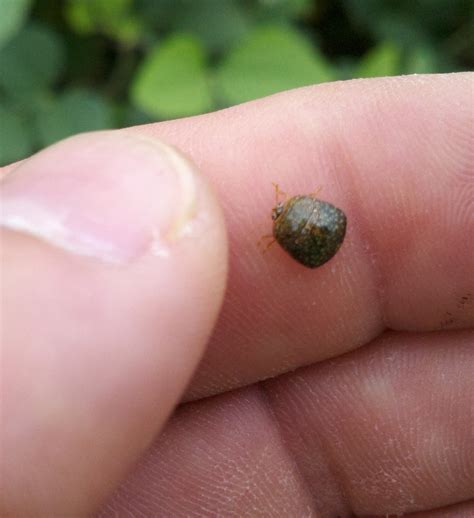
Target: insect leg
x,y
264,247
278,192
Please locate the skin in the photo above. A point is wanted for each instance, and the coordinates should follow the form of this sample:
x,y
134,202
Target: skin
x,y
331,392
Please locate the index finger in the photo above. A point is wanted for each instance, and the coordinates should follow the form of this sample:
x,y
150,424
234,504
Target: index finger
x,y
396,155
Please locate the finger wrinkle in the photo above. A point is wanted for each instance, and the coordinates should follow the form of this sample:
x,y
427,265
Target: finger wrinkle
x,y
333,153
361,228
229,462
396,441
267,404
410,210
330,497
368,122
459,510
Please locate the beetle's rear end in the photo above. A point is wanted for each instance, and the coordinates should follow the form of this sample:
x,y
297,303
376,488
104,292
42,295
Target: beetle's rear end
x,y
310,230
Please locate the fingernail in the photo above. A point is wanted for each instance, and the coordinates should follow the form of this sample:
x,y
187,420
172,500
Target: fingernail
x,y
110,195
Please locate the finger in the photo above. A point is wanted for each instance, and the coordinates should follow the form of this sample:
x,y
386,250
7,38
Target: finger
x,y
113,263
384,430
396,155
394,422
462,510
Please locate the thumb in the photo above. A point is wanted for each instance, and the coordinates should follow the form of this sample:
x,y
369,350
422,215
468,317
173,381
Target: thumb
x,y
113,266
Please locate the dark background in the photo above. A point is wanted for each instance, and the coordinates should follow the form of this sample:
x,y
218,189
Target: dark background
x,y
68,66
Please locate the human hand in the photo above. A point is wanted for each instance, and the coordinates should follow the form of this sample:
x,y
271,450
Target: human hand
x,y
370,409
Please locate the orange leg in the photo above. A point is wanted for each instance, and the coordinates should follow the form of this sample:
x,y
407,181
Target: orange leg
x,y
278,192
316,191
265,247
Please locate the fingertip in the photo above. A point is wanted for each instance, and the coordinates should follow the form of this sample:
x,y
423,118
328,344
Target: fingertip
x,y
115,260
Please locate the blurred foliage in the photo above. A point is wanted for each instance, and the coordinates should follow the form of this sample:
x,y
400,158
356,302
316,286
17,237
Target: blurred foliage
x,y
68,66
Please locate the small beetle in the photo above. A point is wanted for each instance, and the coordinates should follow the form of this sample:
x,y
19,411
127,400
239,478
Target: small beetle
x,y
310,230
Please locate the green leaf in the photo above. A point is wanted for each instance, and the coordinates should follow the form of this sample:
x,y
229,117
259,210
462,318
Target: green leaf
x,y
12,16
287,8
86,17
76,111
172,80
160,13
421,60
33,59
131,116
112,18
217,23
387,20
383,60
270,60
15,137
408,22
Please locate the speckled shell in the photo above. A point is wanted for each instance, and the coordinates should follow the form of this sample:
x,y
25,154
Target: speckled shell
x,y
310,230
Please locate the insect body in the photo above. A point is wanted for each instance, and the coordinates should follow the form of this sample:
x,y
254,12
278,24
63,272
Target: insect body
x,y
310,230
